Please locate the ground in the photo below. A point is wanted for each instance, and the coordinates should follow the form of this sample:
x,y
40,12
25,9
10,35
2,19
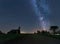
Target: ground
x,y
30,39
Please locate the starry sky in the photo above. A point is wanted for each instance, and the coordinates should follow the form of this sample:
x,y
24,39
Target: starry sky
x,y
15,13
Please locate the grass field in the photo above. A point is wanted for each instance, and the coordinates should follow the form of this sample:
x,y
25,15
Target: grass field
x,y
29,39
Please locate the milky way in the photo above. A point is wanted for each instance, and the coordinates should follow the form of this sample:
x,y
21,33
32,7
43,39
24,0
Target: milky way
x,y
42,11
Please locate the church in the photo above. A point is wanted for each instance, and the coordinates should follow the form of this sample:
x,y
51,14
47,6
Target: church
x,y
14,31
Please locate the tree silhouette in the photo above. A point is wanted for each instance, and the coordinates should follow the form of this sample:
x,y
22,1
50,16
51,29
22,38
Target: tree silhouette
x,y
54,28
38,32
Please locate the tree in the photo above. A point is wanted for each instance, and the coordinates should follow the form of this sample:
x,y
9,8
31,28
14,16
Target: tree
x,y
45,32
38,32
54,28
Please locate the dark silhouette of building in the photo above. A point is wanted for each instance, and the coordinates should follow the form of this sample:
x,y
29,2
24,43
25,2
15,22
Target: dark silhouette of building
x,y
14,31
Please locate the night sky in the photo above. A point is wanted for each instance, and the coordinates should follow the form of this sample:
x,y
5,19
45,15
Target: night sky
x,y
15,13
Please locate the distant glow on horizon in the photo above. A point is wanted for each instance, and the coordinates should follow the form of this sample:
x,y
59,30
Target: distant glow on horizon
x,y
42,10
23,32
26,32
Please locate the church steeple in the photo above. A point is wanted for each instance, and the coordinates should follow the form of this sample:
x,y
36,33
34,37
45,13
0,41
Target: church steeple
x,y
19,29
